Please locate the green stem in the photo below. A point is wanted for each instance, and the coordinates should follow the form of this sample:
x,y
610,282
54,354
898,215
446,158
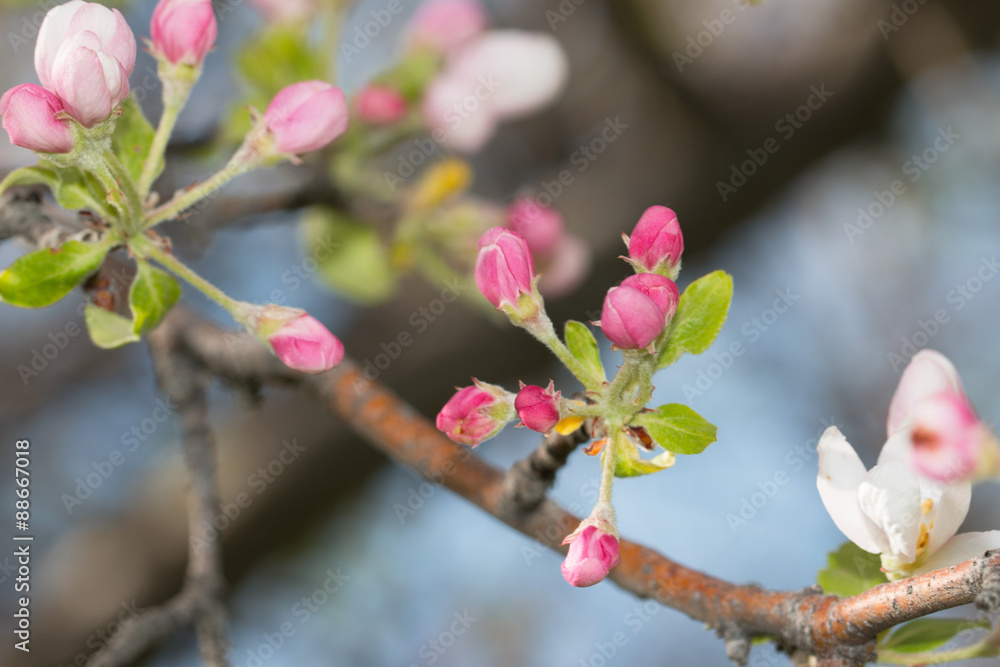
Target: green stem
x,y
179,268
608,462
127,188
171,110
548,337
241,163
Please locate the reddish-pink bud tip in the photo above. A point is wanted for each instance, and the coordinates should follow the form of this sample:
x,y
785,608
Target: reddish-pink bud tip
x,y
380,105
504,267
631,319
306,116
662,290
538,407
591,556
306,345
475,414
183,31
656,243
29,116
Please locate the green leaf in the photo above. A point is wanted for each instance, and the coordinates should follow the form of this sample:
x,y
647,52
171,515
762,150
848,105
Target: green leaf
x,y
133,138
851,571
152,295
630,464
927,634
108,330
350,256
43,277
278,55
582,345
700,315
72,188
677,428
411,76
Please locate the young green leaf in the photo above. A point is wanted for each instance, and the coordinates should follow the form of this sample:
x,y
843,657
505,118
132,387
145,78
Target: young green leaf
x,y
677,428
30,176
132,138
700,315
152,295
351,257
72,188
582,345
108,330
851,571
927,634
43,277
628,463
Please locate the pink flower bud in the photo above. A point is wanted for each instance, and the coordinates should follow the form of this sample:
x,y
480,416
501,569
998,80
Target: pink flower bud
x,y
306,116
284,11
306,345
445,25
948,440
656,243
504,267
592,554
29,116
475,414
183,31
85,54
538,407
630,319
662,290
541,226
380,105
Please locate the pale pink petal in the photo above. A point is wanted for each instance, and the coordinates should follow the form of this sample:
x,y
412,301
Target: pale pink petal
x,y
928,373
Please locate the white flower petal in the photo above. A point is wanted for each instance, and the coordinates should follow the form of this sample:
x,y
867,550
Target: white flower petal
x,y
928,373
896,448
890,496
840,474
960,549
951,505
519,71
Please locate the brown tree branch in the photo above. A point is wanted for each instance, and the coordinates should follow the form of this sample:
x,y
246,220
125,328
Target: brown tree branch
x,y
185,382
840,632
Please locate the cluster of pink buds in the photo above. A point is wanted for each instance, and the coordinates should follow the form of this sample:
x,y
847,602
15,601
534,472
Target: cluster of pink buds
x,y
635,318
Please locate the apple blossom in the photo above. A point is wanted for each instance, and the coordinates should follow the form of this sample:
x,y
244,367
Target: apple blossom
x,y
380,105
183,31
504,267
662,290
84,54
29,116
502,75
592,554
306,116
297,338
631,319
538,407
476,413
444,25
656,243
891,510
541,226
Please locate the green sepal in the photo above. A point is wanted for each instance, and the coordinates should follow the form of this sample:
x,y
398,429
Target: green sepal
x,y
108,330
583,346
702,311
133,138
45,276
